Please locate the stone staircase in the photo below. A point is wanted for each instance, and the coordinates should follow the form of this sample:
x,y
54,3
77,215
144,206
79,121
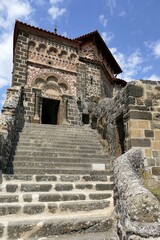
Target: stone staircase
x,y
62,186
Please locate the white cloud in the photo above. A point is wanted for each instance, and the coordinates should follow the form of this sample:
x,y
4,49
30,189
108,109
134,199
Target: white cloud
x,y
3,82
147,68
55,11
2,99
122,13
111,4
155,47
153,77
131,65
103,20
107,37
11,10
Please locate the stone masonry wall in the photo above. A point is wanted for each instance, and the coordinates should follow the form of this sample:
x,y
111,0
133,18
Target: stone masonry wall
x,y
20,61
11,122
131,119
89,80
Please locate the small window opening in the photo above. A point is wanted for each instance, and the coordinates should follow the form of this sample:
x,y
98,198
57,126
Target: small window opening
x,y
49,63
94,123
91,80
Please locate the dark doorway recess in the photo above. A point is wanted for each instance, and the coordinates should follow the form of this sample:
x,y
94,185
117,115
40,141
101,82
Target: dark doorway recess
x,y
50,109
121,131
85,118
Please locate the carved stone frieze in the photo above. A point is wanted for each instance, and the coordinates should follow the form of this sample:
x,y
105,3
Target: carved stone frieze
x,y
53,54
46,78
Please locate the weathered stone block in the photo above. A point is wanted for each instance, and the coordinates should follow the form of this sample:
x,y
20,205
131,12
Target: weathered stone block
x,y
84,186
139,143
83,206
50,197
140,115
45,178
7,209
9,198
97,196
27,198
103,187
71,197
156,171
33,209
63,187
150,162
149,133
52,207
71,178
11,187
102,178
135,91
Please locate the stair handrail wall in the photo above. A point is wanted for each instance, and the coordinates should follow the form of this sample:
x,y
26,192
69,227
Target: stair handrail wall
x,y
11,123
137,208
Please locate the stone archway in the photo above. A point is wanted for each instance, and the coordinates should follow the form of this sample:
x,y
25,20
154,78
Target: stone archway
x,y
50,107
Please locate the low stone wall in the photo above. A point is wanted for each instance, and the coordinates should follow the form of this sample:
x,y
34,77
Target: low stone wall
x,y
138,210
11,122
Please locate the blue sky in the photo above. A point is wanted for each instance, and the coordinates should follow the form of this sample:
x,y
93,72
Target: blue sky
x,y
130,29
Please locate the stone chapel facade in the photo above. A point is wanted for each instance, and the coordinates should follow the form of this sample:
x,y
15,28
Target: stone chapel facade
x,y
58,75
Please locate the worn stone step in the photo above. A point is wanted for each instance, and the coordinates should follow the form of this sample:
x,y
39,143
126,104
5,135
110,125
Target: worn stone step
x,y
60,171
40,159
36,227
110,235
63,154
75,141
52,207
43,150
55,178
49,145
67,144
55,187
53,197
53,165
69,132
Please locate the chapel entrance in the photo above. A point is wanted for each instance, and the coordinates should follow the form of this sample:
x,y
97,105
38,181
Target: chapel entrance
x,y
50,111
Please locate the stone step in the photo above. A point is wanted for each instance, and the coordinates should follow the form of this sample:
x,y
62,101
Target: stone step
x,y
62,154
60,165
55,178
48,226
69,132
49,145
48,159
63,140
60,171
58,127
55,187
44,151
52,207
54,197
111,235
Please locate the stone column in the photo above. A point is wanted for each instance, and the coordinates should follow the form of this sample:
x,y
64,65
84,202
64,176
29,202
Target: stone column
x,y
64,99
36,118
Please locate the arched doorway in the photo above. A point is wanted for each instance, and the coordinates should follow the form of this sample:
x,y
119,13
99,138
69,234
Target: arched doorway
x,y
51,104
